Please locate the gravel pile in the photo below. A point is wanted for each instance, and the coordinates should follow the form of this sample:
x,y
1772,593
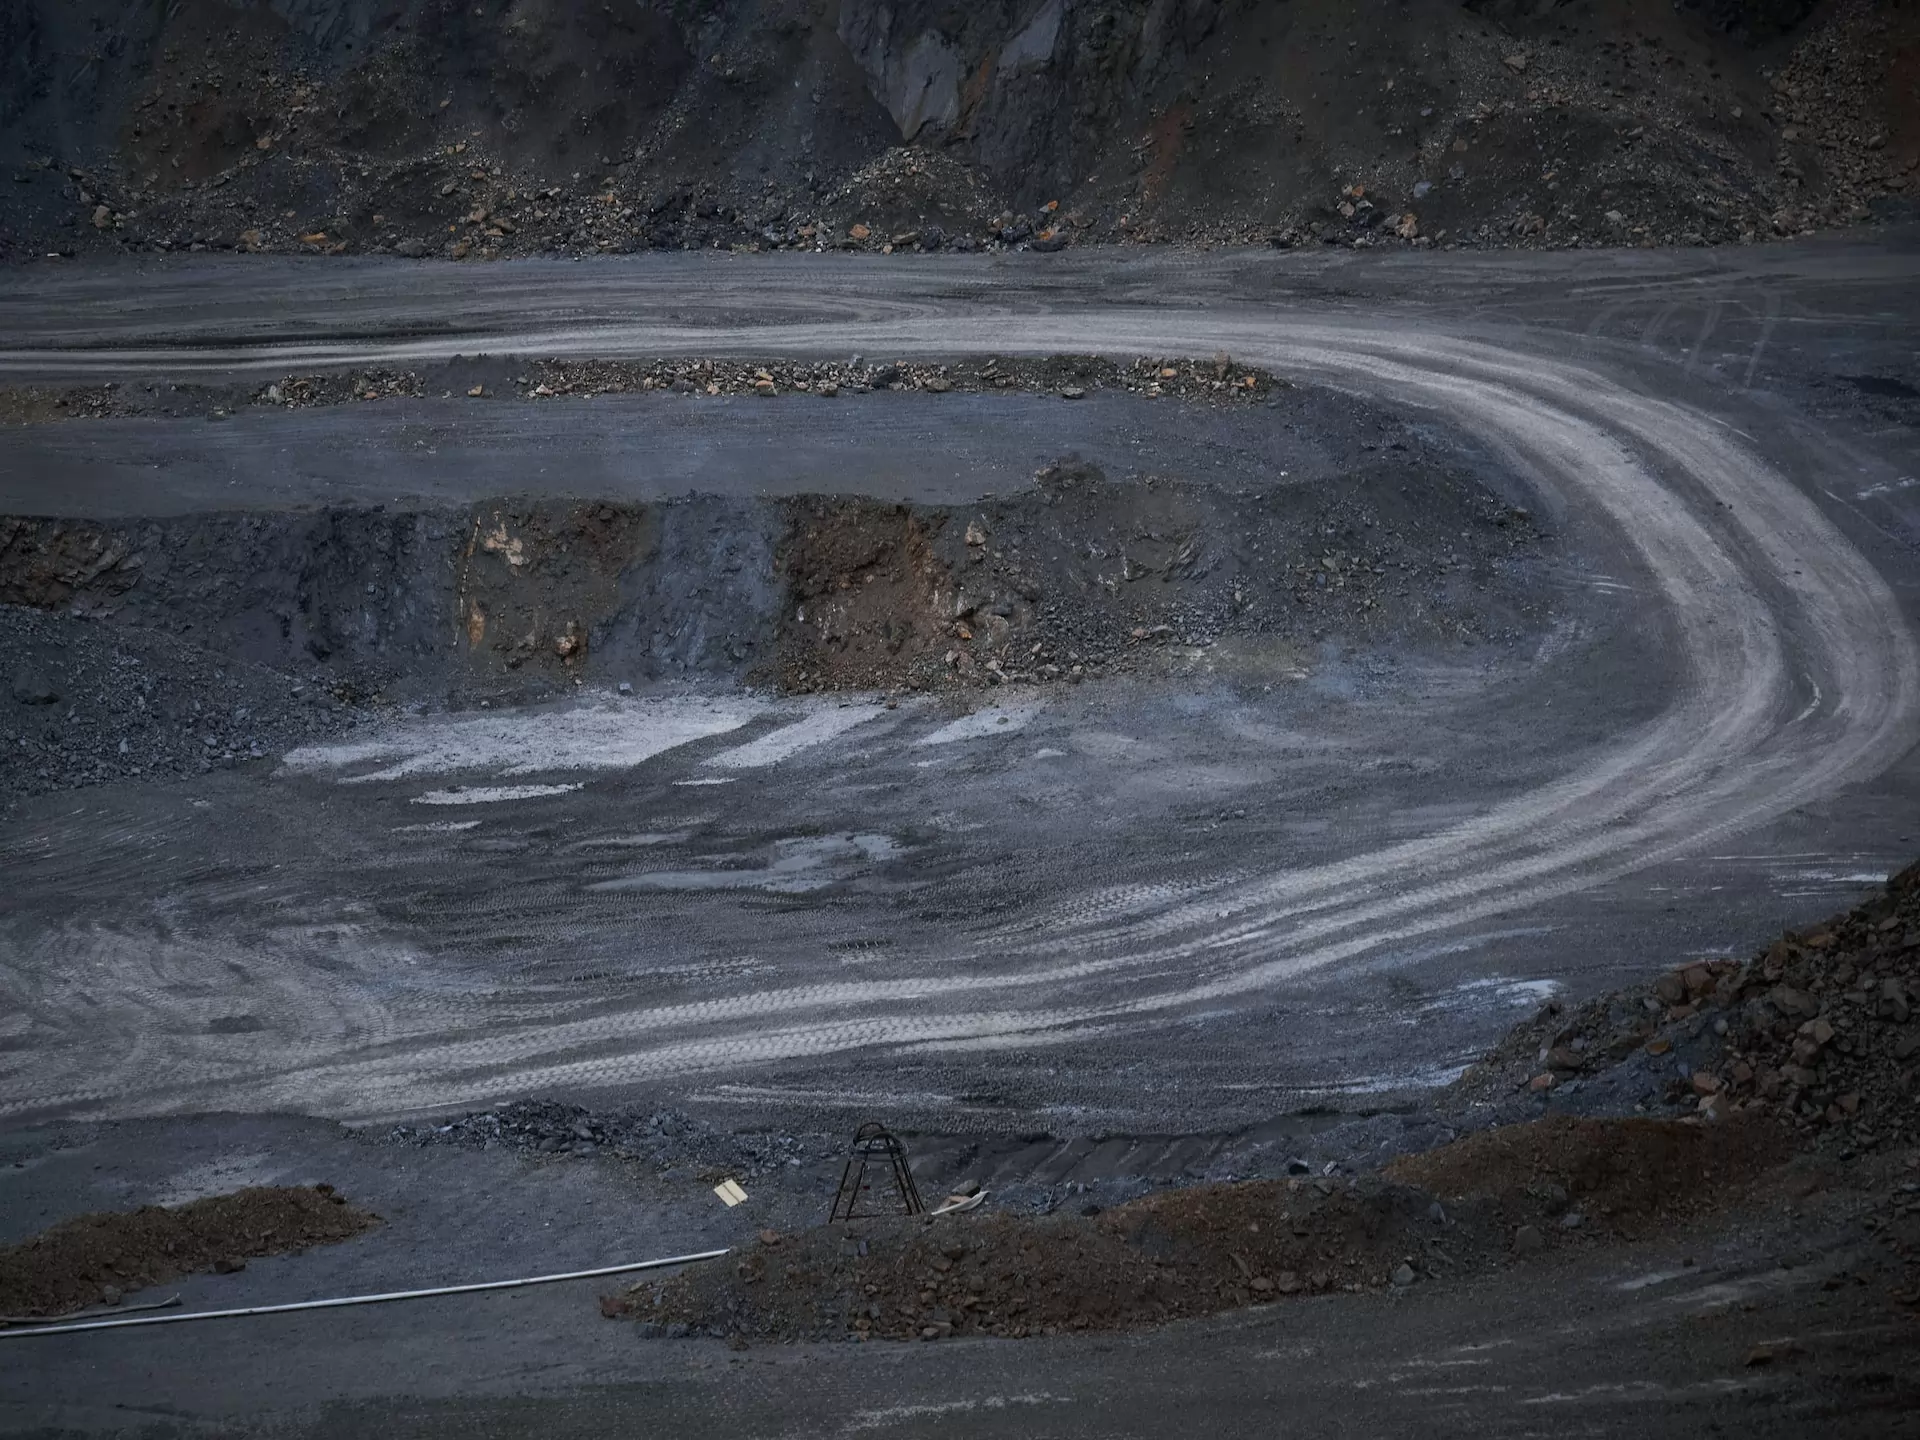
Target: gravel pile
x,y
1844,153
1820,1031
665,1139
89,702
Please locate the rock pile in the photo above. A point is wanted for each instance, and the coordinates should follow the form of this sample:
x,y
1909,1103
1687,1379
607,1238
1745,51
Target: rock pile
x,y
1079,577
88,702
1841,156
1217,380
1820,1030
662,1138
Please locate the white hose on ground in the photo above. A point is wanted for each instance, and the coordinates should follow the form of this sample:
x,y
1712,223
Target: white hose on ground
x,y
362,1299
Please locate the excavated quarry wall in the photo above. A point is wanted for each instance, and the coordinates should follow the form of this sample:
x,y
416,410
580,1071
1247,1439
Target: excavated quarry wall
x,y
807,592
430,127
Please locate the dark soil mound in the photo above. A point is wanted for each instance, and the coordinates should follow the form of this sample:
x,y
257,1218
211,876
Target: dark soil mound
x,y
1174,1254
92,1259
1629,1174
86,703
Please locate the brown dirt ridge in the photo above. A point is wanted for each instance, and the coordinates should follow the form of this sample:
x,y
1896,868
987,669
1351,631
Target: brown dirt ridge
x,y
1171,1255
1083,577
97,1259
1632,1176
1487,1200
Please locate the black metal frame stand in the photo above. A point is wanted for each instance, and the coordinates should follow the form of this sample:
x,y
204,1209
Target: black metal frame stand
x,y
873,1144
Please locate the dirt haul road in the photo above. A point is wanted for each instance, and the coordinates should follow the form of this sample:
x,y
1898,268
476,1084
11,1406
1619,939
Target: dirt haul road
x,y
1784,679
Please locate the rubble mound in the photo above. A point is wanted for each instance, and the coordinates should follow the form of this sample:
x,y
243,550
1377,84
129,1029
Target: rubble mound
x,y
87,704
1166,1256
1496,1197
663,1138
95,1259
1220,381
1820,1031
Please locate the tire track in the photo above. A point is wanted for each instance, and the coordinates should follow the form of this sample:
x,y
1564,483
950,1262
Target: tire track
x,y
1761,588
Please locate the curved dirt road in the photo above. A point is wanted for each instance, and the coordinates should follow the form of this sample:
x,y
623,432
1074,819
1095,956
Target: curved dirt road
x,y
1796,674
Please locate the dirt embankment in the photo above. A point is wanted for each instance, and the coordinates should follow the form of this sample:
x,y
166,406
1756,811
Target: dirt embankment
x,y
1490,1200
1624,1177
98,1259
1180,1253
491,588
1081,577
428,127
1078,576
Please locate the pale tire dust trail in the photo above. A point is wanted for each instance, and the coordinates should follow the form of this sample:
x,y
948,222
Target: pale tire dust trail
x,y
1759,593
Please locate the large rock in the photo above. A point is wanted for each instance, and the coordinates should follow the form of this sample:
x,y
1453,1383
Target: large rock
x,y
31,686
914,71
1034,88
1032,49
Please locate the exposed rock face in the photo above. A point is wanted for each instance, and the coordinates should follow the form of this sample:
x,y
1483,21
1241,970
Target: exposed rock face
x,y
1031,89
433,128
917,78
